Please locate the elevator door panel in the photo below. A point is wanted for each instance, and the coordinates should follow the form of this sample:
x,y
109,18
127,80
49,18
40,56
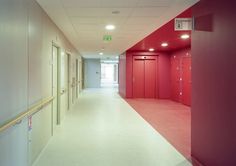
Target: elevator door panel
x,y
138,78
186,81
150,78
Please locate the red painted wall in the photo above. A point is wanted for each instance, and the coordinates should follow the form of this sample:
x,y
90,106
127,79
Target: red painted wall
x,y
214,83
122,75
181,76
163,74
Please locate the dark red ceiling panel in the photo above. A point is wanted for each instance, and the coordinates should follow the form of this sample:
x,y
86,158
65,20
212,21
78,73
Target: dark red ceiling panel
x,y
165,34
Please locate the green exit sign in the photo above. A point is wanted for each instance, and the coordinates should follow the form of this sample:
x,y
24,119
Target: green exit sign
x,y
107,38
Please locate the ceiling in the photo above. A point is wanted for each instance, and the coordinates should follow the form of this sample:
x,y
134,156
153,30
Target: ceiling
x,y
83,21
165,34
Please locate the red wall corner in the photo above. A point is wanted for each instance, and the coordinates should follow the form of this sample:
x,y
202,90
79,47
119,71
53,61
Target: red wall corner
x,y
129,76
214,83
122,75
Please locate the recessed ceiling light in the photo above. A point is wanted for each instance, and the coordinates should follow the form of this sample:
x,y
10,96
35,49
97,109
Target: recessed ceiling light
x,y
101,53
164,44
110,27
151,49
185,36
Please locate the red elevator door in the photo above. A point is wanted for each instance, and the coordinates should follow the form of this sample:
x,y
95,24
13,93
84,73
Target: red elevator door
x,y
144,77
138,78
150,78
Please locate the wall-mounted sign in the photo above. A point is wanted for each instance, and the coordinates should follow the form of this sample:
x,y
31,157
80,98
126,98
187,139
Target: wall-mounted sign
x,y
107,38
183,24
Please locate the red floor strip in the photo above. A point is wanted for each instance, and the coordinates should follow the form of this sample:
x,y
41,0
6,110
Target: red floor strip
x,y
172,120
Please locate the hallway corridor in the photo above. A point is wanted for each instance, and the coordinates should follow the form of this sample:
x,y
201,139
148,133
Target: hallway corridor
x,y
103,130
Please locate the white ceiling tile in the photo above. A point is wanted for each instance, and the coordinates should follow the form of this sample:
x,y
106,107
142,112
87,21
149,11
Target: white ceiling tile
x,y
129,34
89,27
94,27
123,12
119,3
154,3
85,12
89,35
149,12
81,3
97,12
139,28
145,21
90,45
113,20
85,20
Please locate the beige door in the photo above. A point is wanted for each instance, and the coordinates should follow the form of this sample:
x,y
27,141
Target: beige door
x,y
63,85
68,81
55,87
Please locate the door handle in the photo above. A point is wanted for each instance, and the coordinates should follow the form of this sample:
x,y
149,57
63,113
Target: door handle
x,y
63,91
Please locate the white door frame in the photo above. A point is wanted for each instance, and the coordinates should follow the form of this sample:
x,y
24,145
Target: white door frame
x,y
57,93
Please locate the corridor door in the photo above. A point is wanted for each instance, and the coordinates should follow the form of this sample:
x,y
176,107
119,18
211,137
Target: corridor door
x,y
68,81
77,78
175,79
62,83
186,62
144,77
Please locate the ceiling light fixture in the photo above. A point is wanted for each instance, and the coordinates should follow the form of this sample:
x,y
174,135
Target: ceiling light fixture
x,y
151,49
185,36
110,27
164,44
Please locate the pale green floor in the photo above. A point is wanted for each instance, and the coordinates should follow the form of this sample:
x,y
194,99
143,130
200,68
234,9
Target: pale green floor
x,y
103,130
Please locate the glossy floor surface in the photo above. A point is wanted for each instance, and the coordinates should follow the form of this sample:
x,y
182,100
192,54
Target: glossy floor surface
x,y
171,119
103,130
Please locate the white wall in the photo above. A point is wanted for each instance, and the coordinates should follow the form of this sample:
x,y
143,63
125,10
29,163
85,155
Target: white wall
x,y
13,83
92,73
26,36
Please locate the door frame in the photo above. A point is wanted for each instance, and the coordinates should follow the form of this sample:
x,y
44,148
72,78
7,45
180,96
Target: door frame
x,y
77,77
68,80
57,97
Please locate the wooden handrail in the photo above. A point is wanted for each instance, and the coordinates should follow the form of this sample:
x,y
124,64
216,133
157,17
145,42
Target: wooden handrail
x,y
32,110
